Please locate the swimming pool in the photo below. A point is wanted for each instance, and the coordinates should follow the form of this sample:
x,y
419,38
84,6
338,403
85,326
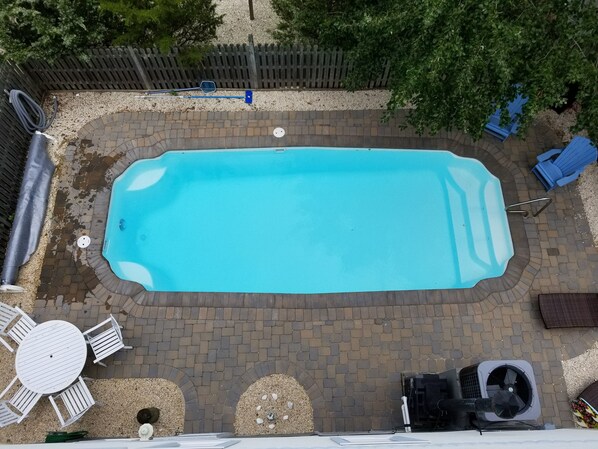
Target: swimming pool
x,y
307,220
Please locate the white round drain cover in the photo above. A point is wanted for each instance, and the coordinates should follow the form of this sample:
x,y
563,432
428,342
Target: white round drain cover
x,y
279,132
83,241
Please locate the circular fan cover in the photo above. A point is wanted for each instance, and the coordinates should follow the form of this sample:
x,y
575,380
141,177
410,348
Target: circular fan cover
x,y
510,379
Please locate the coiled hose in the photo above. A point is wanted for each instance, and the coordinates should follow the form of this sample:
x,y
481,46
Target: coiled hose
x,y
29,113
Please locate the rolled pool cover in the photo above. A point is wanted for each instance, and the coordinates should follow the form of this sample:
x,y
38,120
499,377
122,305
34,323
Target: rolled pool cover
x,y
31,209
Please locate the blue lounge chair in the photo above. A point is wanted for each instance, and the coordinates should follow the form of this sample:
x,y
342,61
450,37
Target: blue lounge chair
x,y
493,126
559,167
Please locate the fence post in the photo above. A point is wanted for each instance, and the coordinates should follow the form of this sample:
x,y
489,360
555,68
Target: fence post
x,y
139,68
251,16
253,79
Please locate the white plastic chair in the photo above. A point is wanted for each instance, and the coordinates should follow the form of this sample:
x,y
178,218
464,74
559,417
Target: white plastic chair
x,y
107,342
19,329
18,407
76,400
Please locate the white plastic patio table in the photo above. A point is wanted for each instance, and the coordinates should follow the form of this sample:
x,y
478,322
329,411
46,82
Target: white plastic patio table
x,y
51,357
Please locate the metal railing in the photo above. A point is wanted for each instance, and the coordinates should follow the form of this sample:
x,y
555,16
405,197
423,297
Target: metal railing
x,y
526,213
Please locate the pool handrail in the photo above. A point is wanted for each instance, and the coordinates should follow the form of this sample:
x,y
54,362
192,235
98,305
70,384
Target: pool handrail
x,y
525,213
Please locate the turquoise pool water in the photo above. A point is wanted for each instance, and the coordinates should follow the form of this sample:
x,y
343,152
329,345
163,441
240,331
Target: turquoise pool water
x,y
307,220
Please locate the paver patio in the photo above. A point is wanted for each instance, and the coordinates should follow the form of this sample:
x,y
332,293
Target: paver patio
x,y
347,351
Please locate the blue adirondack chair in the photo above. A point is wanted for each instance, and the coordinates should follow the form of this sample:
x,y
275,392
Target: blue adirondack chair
x,y
493,126
556,167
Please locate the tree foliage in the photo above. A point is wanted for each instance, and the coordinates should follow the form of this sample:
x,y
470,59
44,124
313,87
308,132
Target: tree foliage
x,y
325,22
48,29
165,23
456,61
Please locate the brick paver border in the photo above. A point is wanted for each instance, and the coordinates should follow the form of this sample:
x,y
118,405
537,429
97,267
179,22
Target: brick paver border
x,y
516,279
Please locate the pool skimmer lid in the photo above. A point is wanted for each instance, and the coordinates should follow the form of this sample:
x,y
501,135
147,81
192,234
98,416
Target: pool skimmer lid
x,y
83,241
279,132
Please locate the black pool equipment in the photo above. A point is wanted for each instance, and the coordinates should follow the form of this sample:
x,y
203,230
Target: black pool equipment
x,y
423,392
491,394
35,187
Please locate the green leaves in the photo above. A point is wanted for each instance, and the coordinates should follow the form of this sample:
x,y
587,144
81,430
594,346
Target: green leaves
x,y
164,23
48,29
457,61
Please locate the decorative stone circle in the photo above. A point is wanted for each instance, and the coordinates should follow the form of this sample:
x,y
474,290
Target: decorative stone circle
x,y
274,405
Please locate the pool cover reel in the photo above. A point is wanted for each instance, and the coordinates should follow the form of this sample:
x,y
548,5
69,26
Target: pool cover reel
x,y
31,209
33,199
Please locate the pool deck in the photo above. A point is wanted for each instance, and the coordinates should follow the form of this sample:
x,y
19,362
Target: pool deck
x,y
348,351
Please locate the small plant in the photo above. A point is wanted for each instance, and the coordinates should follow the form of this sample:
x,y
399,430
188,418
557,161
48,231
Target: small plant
x,y
584,413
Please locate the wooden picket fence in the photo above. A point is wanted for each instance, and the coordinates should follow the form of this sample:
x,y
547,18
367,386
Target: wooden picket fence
x,y
239,66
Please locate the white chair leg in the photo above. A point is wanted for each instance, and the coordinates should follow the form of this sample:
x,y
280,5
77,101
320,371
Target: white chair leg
x,y
9,387
102,363
127,347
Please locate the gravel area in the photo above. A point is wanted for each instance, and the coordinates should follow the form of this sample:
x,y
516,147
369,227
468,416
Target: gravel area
x,y
274,405
237,24
581,371
588,189
114,415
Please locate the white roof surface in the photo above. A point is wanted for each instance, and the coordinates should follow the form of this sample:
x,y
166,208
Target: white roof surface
x,y
545,439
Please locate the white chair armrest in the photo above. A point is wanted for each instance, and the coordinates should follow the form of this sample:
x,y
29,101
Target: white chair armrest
x,y
27,318
548,154
21,312
97,326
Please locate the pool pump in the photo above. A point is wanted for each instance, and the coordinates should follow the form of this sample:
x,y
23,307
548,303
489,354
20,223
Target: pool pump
x,y
501,392
491,378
